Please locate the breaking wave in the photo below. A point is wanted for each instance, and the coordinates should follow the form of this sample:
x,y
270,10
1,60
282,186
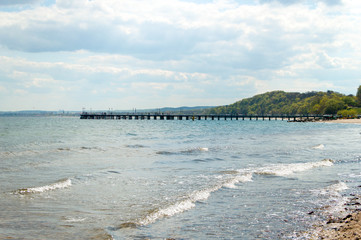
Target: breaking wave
x,y
58,185
334,189
190,201
239,178
229,180
288,169
320,146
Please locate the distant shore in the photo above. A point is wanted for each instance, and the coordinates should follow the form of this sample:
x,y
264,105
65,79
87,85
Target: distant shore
x,y
353,121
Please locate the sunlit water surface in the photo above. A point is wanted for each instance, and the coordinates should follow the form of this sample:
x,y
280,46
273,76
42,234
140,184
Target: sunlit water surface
x,y
66,178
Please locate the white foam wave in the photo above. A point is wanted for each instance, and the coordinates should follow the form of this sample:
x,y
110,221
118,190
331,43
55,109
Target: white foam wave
x,y
58,185
190,201
335,203
178,207
230,182
288,169
194,150
165,212
203,149
74,219
338,187
320,146
334,189
239,178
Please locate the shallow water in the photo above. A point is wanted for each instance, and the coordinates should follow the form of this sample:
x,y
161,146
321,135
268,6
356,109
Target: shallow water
x,y
68,178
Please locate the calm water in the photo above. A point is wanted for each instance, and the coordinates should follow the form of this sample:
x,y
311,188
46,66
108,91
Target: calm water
x,y
66,178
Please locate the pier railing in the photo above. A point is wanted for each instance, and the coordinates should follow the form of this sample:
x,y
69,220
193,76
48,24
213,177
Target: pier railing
x,y
161,116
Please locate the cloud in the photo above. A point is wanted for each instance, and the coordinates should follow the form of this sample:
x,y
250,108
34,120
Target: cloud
x,y
124,29
146,31
148,53
290,2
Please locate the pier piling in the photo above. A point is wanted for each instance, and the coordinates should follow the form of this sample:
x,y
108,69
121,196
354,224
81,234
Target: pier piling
x,y
159,116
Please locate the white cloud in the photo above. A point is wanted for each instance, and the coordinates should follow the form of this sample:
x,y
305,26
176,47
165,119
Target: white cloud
x,y
201,50
290,2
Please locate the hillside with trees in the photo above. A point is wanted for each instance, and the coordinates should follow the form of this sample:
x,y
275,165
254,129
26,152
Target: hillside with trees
x,y
290,103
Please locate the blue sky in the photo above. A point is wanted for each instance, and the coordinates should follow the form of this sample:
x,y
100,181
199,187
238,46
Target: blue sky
x,y
125,54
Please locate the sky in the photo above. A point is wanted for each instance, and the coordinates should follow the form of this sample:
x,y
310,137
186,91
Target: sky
x,y
126,54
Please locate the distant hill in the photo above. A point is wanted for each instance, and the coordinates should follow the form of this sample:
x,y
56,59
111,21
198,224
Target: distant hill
x,y
280,102
184,110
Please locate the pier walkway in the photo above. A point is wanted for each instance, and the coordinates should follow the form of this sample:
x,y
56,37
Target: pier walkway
x,y
161,116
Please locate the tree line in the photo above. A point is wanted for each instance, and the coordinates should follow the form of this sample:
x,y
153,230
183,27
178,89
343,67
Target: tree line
x,y
290,103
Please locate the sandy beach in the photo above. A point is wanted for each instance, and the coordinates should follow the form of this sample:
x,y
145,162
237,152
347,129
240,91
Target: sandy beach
x,y
353,121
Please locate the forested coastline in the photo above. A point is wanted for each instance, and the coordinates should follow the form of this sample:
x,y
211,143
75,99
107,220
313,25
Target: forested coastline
x,y
280,102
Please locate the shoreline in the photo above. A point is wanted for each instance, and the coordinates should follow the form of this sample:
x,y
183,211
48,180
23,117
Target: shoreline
x,y
346,226
350,121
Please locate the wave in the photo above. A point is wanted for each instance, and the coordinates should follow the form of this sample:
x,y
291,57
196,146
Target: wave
x,y
239,178
229,172
195,150
89,149
177,207
333,202
63,149
200,160
23,153
73,219
165,153
338,187
319,146
190,201
228,179
187,151
288,169
132,134
58,185
52,150
135,146
333,190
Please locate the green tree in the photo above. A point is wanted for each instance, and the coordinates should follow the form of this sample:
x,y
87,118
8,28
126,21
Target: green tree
x,y
316,109
350,100
334,105
280,102
348,113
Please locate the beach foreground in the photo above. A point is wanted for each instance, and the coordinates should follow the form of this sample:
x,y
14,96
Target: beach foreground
x,y
346,227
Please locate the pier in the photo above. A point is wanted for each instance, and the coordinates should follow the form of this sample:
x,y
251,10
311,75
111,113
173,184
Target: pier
x,y
161,116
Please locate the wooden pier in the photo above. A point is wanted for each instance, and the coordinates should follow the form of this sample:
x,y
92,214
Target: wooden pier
x,y
161,116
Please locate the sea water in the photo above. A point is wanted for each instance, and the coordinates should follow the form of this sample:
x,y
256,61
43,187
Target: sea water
x,y
66,178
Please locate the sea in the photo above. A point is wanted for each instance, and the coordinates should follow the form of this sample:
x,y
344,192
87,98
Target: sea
x,y
67,178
